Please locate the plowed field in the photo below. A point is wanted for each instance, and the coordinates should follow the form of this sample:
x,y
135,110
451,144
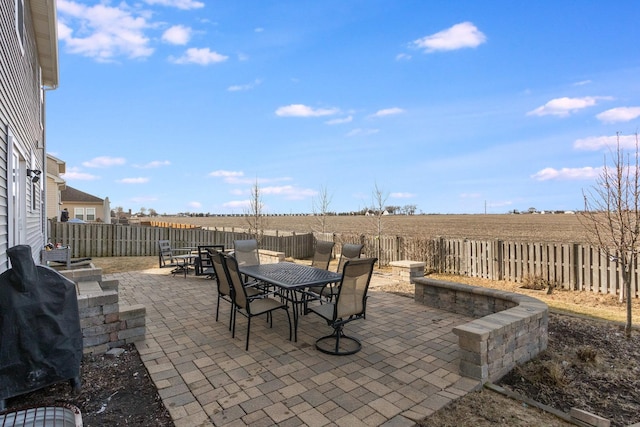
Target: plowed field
x,y
557,228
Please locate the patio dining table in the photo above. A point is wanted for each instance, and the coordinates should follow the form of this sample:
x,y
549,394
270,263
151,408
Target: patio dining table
x,y
291,278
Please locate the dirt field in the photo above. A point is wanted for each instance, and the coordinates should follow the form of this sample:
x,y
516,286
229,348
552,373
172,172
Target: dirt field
x,y
526,227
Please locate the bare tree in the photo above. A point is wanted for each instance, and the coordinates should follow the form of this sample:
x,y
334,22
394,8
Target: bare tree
x,y
321,208
378,209
612,215
254,213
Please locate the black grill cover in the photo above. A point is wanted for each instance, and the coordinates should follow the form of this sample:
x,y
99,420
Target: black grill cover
x,y
41,341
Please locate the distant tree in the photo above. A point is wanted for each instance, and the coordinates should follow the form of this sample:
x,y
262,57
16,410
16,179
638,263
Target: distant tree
x,y
409,209
143,211
532,210
612,215
152,212
254,215
321,207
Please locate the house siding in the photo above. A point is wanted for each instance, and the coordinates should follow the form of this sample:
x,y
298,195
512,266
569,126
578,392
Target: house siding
x,y
21,110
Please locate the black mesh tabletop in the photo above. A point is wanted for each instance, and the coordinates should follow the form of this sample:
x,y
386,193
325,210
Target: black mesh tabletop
x,y
290,275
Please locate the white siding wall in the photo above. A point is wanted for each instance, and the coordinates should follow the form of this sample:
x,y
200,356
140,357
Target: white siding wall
x,y
21,110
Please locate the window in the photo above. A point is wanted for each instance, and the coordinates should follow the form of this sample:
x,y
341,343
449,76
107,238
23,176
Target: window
x,y
78,213
20,23
91,214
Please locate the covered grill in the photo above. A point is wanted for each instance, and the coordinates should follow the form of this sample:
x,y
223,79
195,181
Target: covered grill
x,y
41,338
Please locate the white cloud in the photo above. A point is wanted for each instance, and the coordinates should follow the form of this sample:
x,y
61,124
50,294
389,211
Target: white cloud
x,y
300,110
289,192
567,173
194,205
402,195
459,36
177,35
179,4
620,114
235,204
562,107
388,112
249,86
362,132
143,199
103,32
231,177
259,30
200,56
598,142
73,174
139,180
154,164
104,162
347,119
582,83
403,57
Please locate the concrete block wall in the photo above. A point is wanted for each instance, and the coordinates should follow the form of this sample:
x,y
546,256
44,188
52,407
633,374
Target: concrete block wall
x,y
407,271
104,322
508,328
270,257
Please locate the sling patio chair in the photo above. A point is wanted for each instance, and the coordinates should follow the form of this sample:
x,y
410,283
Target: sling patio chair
x,y
203,262
246,252
321,259
165,254
225,289
348,252
250,306
349,305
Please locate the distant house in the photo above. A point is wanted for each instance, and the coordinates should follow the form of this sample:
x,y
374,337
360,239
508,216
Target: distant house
x,y
54,185
85,206
28,68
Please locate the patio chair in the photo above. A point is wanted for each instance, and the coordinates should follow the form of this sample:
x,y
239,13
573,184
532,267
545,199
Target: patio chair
x,y
251,306
203,265
321,259
349,252
322,254
246,252
165,254
225,289
349,305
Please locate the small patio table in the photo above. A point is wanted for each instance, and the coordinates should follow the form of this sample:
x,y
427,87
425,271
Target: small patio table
x,y
184,261
291,277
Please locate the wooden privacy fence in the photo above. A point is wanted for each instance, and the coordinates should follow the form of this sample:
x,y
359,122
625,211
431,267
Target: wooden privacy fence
x,y
569,266
107,240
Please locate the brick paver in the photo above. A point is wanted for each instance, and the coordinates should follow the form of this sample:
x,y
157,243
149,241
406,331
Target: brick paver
x,y
407,368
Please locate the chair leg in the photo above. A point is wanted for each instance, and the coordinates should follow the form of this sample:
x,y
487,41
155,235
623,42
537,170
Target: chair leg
x,y
246,348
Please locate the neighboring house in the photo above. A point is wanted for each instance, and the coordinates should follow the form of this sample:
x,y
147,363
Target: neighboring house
x,y
85,206
54,185
28,68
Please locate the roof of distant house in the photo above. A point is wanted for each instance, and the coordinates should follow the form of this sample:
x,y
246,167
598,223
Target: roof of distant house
x,y
71,194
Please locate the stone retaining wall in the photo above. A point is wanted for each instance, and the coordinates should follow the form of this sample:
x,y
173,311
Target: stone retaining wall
x,y
509,328
104,322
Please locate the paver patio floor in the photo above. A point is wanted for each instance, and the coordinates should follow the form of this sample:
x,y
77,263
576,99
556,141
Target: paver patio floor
x,y
406,370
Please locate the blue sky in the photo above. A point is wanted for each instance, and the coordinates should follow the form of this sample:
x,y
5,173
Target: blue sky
x,y
454,107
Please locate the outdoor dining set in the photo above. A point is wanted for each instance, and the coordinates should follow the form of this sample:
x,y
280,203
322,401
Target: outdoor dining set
x,y
256,289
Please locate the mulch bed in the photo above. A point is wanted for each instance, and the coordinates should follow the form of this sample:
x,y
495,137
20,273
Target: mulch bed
x,y
115,391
